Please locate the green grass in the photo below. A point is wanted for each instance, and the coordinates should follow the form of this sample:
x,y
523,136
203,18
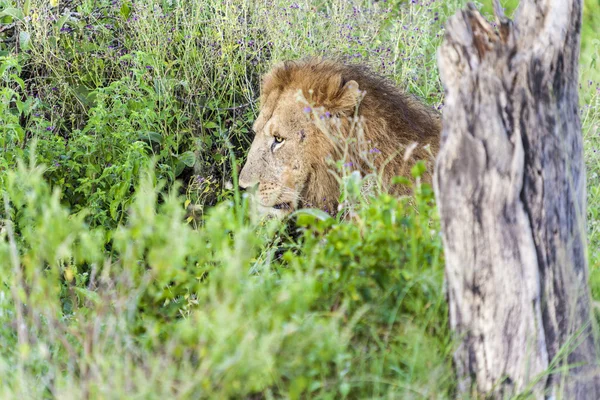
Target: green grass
x,y
129,266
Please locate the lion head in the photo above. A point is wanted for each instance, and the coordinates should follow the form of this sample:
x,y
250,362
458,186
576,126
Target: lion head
x,y
309,110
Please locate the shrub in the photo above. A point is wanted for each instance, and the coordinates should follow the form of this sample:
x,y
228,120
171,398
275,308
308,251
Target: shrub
x,y
348,308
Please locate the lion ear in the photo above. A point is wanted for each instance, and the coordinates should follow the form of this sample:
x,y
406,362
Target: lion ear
x,y
348,98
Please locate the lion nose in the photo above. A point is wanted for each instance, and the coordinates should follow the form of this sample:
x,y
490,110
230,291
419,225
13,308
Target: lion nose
x,y
246,181
249,187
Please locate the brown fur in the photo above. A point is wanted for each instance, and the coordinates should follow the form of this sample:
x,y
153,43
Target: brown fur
x,y
295,173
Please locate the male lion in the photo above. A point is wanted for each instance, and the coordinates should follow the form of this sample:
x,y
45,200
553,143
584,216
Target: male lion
x,y
316,109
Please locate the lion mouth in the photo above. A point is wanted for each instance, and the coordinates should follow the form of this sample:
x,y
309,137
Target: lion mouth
x,y
283,206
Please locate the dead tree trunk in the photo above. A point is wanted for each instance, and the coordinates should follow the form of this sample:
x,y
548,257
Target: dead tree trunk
x,y
510,185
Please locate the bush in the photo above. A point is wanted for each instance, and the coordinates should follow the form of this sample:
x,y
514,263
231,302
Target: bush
x,y
347,308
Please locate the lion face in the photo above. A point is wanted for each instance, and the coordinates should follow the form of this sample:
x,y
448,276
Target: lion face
x,y
277,170
287,164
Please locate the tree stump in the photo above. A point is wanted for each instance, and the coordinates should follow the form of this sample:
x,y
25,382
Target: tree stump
x,y
510,187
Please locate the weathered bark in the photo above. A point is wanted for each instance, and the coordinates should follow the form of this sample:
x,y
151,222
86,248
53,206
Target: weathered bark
x,y
510,185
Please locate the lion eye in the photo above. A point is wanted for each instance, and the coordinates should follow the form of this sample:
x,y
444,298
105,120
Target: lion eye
x,y
278,140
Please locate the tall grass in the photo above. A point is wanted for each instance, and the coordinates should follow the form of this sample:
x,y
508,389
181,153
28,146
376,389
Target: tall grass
x,y
129,266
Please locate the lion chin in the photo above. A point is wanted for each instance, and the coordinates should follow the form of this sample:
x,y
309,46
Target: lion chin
x,y
277,211
315,112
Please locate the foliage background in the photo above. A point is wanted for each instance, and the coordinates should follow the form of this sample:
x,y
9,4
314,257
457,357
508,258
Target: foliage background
x,y
131,266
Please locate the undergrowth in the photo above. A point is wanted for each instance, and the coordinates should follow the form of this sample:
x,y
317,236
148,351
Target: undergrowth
x,y
130,264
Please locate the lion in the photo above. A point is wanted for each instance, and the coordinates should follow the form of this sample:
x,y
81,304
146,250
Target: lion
x,y
315,111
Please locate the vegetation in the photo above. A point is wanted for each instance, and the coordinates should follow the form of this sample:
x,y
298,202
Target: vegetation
x,y
130,264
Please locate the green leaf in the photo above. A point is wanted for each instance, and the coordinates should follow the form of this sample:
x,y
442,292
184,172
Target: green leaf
x,y
18,80
188,158
26,7
12,12
151,136
88,294
24,40
210,125
207,140
401,180
61,21
179,166
113,209
307,216
85,95
297,386
125,10
17,129
418,169
345,389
